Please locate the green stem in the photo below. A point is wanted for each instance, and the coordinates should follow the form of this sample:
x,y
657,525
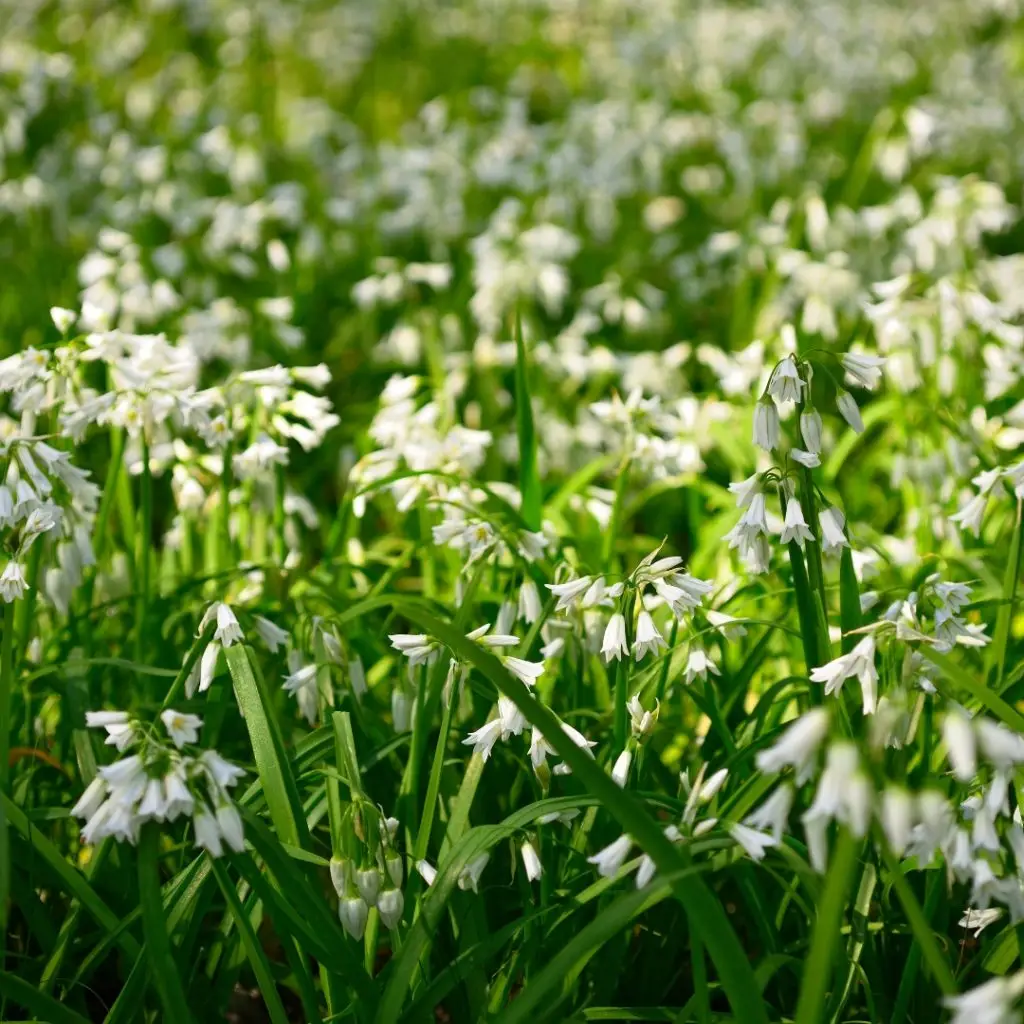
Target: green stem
x,y
613,525
144,556
827,925
6,686
158,942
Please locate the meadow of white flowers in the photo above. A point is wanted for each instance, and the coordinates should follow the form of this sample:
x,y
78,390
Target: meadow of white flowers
x,y
511,510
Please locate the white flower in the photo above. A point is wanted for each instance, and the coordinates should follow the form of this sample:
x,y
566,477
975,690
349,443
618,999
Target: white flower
x,y
647,637
229,821
754,843
992,1002
614,646
272,635
12,581
569,593
766,425
426,871
228,631
417,647
795,526
301,684
207,832
798,745
620,770
744,490
832,521
529,607
961,749
181,727
859,662
728,625
63,319
531,862
527,672
483,739
641,722
844,794
773,814
897,817
786,385
810,430
849,410
121,731
978,920
808,459
609,860
1001,746
698,664
469,876
862,369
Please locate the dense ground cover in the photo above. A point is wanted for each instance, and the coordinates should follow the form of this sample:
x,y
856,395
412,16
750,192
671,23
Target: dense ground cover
x,y
511,511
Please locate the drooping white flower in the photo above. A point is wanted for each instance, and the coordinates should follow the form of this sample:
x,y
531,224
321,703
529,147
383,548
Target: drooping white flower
x,y
810,430
754,843
620,770
647,637
961,748
641,721
527,672
610,860
469,876
859,662
698,664
531,862
613,645
766,425
483,739
426,871
849,410
529,606
121,730
272,635
301,684
744,490
795,526
897,817
773,815
832,522
63,319
798,744
569,593
862,369
12,581
786,384
995,1001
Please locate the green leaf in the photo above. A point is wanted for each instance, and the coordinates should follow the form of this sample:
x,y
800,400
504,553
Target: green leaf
x,y
158,942
45,1007
849,600
253,950
1000,639
529,480
542,992
268,749
978,690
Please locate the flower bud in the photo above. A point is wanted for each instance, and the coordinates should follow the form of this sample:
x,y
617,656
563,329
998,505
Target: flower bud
x,y
393,864
353,913
341,872
368,883
390,905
